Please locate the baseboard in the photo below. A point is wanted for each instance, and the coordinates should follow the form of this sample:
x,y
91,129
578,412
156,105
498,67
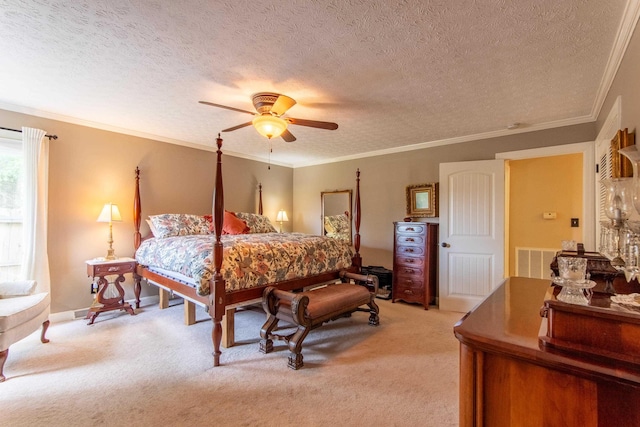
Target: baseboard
x,y
65,316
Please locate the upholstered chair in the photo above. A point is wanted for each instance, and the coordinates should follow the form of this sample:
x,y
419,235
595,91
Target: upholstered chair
x,y
22,311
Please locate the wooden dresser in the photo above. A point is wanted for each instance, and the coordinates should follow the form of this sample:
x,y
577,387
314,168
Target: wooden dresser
x,y
415,262
510,377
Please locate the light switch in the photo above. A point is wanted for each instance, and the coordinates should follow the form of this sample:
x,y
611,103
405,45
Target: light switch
x,y
549,215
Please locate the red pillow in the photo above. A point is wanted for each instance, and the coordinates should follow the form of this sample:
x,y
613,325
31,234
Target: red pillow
x,y
231,224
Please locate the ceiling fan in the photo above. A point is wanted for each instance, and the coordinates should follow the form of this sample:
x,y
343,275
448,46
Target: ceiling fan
x,y
268,120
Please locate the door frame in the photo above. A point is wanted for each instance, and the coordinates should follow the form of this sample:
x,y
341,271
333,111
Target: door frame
x,y
587,149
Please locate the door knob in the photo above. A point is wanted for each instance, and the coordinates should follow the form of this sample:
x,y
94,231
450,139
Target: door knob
x,y
445,245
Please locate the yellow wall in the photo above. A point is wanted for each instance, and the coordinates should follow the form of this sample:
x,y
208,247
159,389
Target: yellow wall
x,y
546,184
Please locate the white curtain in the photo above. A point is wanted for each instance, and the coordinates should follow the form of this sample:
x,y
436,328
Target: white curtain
x,y
35,261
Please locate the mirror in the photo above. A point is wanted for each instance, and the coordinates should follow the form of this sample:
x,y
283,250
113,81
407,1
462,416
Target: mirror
x,y
336,214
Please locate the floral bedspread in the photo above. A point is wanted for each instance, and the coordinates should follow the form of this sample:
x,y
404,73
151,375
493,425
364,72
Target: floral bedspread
x,y
249,260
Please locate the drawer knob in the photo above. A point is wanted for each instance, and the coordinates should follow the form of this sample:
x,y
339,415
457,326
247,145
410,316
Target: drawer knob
x,y
409,239
408,271
409,260
411,229
113,268
408,250
408,291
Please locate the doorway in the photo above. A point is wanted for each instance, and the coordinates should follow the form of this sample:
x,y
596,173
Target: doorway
x,y
586,215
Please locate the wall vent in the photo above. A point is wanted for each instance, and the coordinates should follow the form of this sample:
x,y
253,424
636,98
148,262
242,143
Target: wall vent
x,y
534,262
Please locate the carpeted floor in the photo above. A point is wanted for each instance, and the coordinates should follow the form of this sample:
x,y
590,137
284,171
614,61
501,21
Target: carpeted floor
x,y
150,369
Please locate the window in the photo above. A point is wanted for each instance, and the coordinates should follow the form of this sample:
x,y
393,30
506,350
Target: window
x,y
10,208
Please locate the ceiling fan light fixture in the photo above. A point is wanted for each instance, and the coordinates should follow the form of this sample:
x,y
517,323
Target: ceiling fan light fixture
x,y
269,126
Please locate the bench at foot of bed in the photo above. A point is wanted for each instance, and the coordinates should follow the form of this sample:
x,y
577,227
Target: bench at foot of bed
x,y
309,310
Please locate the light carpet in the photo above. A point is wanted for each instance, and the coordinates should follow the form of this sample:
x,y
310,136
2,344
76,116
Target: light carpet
x,y
151,369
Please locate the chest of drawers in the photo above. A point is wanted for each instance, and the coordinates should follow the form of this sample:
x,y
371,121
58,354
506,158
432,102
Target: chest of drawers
x,y
415,262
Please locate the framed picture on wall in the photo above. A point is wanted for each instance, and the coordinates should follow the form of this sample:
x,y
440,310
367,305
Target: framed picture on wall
x,y
422,200
620,165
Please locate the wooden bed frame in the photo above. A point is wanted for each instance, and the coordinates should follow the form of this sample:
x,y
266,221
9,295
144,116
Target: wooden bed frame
x,y
219,303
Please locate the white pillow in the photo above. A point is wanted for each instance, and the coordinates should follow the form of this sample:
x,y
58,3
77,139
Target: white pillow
x,y
152,227
18,288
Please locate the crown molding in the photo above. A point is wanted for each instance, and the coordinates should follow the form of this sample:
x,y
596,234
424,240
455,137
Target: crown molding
x,y
623,37
456,140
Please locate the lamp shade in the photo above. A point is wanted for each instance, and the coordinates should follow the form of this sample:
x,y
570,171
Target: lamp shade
x,y
269,126
282,216
110,213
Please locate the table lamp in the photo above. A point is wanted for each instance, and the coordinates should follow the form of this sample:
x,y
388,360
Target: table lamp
x,y
282,217
110,213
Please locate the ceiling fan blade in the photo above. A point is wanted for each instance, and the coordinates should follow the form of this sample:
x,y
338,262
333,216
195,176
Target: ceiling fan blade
x,y
227,108
312,123
282,104
237,127
288,136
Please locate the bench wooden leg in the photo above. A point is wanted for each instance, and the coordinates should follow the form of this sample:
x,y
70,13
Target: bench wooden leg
x,y
295,361
266,343
295,347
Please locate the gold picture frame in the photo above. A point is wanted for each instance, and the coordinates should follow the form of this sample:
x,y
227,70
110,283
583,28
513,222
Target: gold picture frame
x,y
422,200
621,166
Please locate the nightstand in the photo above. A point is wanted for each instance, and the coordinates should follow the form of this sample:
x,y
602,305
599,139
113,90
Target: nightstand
x,y
99,269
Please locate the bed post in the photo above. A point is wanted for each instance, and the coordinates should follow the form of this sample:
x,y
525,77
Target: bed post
x,y
137,210
260,198
357,259
217,287
137,238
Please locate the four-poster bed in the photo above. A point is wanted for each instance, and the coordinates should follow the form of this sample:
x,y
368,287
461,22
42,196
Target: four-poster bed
x,y
220,300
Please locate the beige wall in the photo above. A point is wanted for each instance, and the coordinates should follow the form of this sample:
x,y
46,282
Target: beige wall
x,y
385,178
546,184
90,167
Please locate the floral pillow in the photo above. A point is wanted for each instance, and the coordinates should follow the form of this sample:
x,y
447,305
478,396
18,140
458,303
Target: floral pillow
x,y
257,223
336,223
168,225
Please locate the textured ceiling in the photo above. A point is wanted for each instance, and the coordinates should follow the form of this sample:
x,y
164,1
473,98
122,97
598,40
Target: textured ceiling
x,y
391,74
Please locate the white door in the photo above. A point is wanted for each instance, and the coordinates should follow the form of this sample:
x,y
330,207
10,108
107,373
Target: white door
x,y
472,239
